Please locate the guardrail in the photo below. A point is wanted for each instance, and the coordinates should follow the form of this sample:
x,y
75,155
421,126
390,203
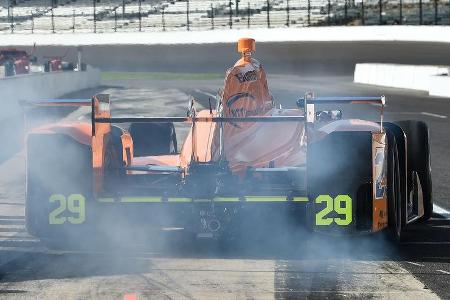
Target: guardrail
x,y
134,15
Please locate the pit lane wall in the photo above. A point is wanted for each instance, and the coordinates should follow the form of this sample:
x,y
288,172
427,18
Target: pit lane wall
x,y
432,79
41,86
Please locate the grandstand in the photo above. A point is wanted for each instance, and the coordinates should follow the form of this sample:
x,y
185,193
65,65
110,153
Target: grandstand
x,y
38,16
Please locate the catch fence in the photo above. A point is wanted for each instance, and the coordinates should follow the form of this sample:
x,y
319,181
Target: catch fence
x,y
37,16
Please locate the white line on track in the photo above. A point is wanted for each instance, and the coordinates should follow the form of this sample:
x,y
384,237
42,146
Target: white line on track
x,y
433,115
440,210
415,264
445,272
425,243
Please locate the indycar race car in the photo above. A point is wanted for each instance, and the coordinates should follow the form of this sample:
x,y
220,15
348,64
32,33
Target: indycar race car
x,y
16,62
242,162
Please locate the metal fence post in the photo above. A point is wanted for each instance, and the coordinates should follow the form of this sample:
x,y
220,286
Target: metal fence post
x,y
115,19
435,12
420,12
268,14
362,13
287,13
12,19
53,21
345,10
163,18
380,4
401,12
187,15
32,22
95,16
140,15
248,14
309,12
73,21
123,9
231,14
212,16
237,8
329,12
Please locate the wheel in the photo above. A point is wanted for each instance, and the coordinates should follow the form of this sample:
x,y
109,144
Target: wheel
x,y
395,215
10,68
153,138
419,164
47,66
58,187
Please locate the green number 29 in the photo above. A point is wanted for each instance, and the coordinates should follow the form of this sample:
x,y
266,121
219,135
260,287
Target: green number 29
x,y
342,205
75,204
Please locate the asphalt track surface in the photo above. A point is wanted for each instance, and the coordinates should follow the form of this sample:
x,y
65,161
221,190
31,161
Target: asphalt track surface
x,y
288,266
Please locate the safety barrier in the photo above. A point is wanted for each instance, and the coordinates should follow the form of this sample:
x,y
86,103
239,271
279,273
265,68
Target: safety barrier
x,y
42,85
432,79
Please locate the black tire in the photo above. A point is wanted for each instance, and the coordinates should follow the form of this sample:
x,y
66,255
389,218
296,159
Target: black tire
x,y
67,66
395,215
56,165
153,138
10,68
47,67
419,161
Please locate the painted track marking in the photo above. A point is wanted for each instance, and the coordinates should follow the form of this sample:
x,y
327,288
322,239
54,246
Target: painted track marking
x,y
426,243
130,297
415,264
440,210
433,115
445,272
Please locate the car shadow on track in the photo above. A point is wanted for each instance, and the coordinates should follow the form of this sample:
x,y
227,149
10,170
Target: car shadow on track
x,y
32,261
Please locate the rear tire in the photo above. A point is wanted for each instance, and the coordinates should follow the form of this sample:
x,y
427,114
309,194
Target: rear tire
x,y
57,165
395,215
153,138
418,149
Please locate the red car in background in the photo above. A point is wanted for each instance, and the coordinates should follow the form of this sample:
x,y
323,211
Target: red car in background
x,y
15,62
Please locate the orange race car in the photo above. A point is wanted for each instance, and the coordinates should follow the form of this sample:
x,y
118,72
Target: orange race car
x,y
241,164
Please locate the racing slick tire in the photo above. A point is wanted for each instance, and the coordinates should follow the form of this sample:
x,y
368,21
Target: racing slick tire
x,y
419,163
395,211
153,138
58,184
10,68
47,66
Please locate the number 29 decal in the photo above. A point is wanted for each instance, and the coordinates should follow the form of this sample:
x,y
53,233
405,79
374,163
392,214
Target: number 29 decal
x,y
342,205
74,204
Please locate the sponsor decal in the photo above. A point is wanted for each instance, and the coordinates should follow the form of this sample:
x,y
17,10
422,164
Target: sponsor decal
x,y
242,111
247,76
380,173
238,96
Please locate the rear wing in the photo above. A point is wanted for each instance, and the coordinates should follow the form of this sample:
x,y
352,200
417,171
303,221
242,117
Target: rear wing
x,y
100,105
309,102
101,121
58,102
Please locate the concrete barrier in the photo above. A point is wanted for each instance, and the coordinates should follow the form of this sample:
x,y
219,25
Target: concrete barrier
x,y
42,85
432,79
440,86
301,51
